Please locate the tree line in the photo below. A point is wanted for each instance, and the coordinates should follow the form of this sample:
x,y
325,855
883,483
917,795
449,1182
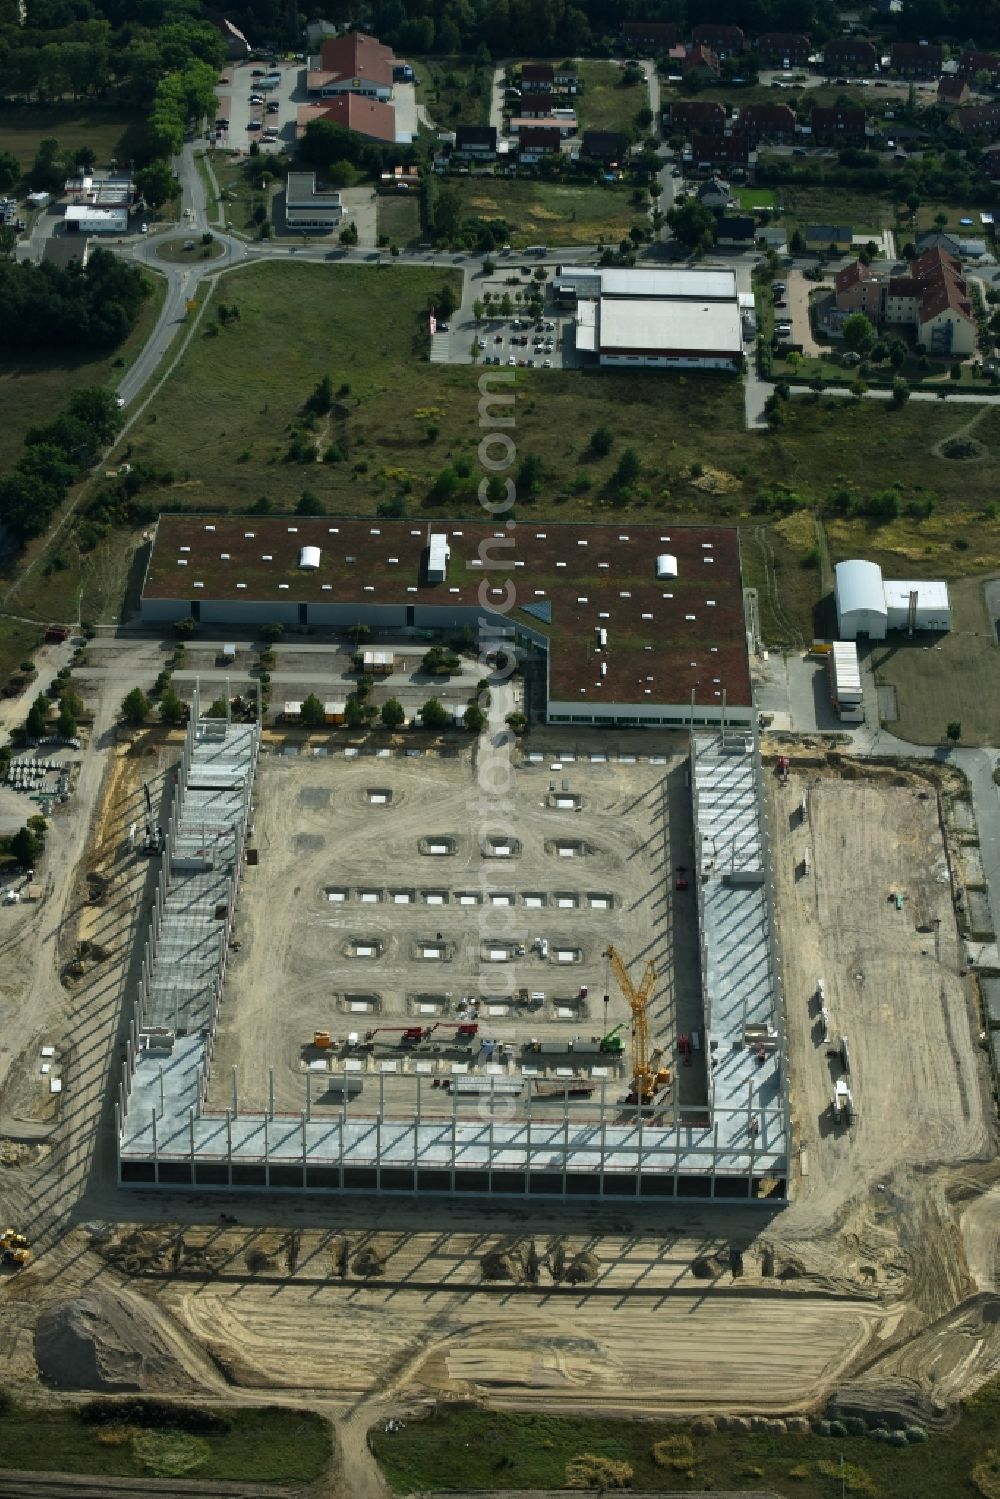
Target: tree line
x,y
69,307
54,457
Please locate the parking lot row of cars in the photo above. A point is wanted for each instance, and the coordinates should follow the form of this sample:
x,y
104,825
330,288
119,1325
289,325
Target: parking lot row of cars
x,y
541,340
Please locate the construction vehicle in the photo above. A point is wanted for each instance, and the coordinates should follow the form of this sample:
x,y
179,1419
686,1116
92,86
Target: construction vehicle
x,y
612,1044
322,1040
647,1077
843,1102
15,1248
153,838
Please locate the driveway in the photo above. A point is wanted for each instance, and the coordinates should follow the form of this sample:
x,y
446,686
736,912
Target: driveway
x,y
405,99
797,297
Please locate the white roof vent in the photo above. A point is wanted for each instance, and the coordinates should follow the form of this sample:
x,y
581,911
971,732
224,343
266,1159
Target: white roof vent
x,y
437,560
666,565
309,556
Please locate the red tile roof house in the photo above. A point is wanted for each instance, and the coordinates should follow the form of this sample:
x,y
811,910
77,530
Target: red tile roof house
x,y
732,149
976,119
838,127
699,59
970,64
535,106
784,48
724,41
654,36
849,54
916,59
537,78
706,115
352,64
932,298
533,144
774,122
952,91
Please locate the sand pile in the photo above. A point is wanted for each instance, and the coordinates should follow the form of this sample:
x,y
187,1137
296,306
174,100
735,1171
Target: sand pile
x,y
91,1343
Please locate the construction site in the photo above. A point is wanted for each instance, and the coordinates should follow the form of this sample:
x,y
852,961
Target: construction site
x,y
372,1245
534,999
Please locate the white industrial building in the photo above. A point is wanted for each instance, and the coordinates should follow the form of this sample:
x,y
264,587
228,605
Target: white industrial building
x,y
83,218
869,605
657,319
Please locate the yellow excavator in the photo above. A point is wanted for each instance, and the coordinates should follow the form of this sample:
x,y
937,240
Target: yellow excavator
x,y
647,1076
14,1248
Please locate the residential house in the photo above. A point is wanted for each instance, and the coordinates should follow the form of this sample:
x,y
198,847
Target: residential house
x,y
773,237
565,123
566,79
977,119
971,64
773,122
731,150
916,59
715,192
819,237
705,115
699,59
952,244
536,106
369,118
736,230
535,142
952,90
352,64
835,126
931,298
724,41
934,298
610,147
309,207
476,142
537,78
858,288
649,36
849,54
784,49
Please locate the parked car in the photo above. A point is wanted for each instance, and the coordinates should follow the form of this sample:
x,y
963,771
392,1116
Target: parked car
x,y
256,98
444,327
253,125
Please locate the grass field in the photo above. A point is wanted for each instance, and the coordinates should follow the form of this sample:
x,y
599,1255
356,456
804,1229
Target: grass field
x,y
399,218
34,388
756,197
553,212
453,90
222,424
270,1444
604,103
112,133
867,213
928,212
240,186
491,1450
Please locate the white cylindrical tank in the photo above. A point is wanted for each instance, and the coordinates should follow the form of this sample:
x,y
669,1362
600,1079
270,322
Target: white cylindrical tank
x,y
666,565
309,556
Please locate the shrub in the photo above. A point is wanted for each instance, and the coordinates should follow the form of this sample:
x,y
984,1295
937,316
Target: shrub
x,y
589,1471
673,1452
154,1414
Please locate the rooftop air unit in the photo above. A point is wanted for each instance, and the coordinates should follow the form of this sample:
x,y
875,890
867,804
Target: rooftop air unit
x,y
666,565
309,556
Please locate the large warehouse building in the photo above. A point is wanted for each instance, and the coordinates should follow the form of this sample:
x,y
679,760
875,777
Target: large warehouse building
x,y
659,319
637,624
870,605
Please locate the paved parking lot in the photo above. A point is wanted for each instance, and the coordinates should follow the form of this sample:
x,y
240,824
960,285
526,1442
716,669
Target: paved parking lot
x,y
234,104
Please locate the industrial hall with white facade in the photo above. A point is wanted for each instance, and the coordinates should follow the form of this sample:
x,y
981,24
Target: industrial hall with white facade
x,y
635,628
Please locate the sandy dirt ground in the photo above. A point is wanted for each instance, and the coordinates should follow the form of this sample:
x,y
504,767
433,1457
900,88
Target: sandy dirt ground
x,y
879,1280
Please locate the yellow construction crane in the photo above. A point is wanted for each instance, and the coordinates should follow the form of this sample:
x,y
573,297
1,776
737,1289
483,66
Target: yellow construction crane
x,y
646,1077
